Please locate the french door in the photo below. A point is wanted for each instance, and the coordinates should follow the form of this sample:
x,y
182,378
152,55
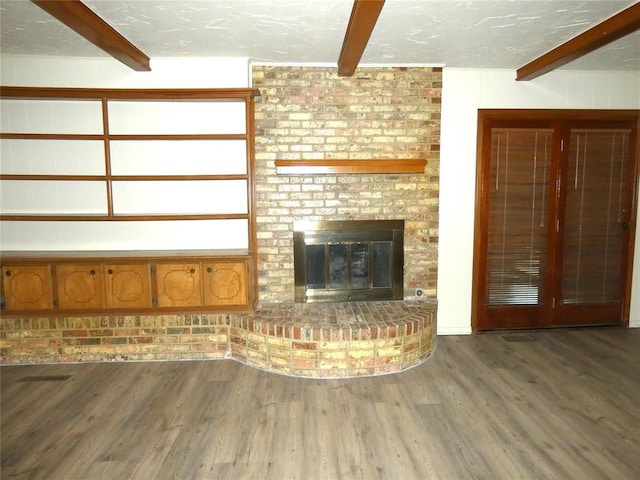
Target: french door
x,y
555,202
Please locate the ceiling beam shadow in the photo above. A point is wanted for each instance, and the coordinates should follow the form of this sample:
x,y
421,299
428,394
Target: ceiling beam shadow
x,y
610,30
363,18
80,18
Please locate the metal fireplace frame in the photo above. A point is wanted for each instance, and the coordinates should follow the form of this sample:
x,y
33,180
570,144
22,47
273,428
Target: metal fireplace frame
x,y
349,232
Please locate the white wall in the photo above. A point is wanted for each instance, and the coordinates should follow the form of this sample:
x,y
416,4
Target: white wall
x,y
106,72
464,92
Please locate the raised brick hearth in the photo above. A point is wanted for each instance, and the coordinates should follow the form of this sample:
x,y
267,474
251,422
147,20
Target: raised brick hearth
x,y
309,340
335,339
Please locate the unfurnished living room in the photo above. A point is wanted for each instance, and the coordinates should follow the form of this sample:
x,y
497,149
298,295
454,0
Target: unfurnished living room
x,y
341,239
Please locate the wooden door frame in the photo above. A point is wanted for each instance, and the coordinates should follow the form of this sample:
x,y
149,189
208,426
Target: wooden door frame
x,y
480,204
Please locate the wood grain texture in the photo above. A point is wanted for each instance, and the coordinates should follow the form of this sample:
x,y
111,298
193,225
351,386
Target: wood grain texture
x,y
564,405
364,16
85,22
350,166
613,28
128,93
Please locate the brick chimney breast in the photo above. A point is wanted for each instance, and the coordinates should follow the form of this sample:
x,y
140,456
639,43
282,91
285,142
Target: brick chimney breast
x,y
379,113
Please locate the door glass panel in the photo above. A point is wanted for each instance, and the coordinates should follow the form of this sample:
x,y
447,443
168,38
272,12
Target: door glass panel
x,y
517,216
593,248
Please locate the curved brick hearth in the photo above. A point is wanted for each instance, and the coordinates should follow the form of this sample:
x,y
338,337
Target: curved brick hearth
x,y
328,340
319,340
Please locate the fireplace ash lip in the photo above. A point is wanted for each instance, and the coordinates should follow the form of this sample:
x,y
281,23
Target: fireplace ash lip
x,y
348,260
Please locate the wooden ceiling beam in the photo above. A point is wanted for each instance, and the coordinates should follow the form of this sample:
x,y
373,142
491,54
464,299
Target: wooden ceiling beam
x,y
80,18
364,16
610,30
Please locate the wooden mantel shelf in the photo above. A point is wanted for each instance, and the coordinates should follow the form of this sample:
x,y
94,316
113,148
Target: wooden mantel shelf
x,y
320,167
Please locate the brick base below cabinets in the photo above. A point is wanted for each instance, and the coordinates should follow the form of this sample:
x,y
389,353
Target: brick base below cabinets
x,y
305,340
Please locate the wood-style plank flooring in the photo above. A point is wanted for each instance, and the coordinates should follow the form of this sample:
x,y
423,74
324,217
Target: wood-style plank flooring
x,y
565,405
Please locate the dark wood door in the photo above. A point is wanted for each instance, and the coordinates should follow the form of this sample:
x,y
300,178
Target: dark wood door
x,y
594,228
553,235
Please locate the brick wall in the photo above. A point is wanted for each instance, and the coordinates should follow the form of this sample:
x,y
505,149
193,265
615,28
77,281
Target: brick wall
x,y
114,338
379,113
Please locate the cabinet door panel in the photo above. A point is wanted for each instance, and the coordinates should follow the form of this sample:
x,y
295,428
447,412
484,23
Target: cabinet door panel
x,y
80,286
127,286
178,285
27,287
225,283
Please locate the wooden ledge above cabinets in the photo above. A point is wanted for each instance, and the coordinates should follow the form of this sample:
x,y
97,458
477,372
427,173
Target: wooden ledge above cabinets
x,y
359,166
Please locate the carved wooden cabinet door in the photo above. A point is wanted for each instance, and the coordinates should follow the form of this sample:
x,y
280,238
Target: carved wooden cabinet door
x,y
80,286
225,283
178,284
27,287
127,286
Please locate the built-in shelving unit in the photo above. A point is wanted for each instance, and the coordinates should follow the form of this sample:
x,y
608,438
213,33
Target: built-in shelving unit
x,y
166,173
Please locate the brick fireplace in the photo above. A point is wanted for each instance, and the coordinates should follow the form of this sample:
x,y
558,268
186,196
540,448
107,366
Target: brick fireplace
x,y
379,113
309,113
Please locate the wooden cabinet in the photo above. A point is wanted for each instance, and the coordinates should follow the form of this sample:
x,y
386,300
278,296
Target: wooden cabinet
x,y
209,283
225,283
104,282
27,287
127,286
178,285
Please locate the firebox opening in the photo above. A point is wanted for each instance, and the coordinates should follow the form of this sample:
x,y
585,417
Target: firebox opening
x,y
342,261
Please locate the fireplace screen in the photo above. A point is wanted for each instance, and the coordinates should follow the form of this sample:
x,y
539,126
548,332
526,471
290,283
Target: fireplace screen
x,y
342,261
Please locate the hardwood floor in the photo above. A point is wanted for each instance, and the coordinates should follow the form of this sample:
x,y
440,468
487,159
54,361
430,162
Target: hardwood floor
x,y
563,405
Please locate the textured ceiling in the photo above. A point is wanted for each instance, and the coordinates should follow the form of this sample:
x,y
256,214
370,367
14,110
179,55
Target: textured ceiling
x,y
471,34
